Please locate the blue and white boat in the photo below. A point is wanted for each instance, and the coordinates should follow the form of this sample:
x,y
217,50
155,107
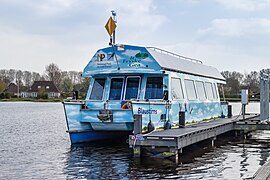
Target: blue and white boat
x,y
157,84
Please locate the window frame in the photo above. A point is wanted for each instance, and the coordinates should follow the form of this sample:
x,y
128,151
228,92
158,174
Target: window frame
x,y
176,78
146,86
203,83
196,94
122,90
105,79
139,86
212,91
215,90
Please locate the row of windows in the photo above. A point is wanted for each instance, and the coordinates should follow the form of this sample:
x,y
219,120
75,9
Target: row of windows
x,y
202,90
154,89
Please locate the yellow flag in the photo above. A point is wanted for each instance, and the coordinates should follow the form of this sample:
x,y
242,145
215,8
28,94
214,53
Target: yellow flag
x,y
110,26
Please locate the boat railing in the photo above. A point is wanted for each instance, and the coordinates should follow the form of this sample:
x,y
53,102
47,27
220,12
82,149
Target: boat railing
x,y
175,55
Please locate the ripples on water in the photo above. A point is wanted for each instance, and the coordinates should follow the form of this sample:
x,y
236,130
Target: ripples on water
x,y
34,144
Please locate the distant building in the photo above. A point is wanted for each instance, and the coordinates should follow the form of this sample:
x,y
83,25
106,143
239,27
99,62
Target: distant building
x,y
43,86
12,89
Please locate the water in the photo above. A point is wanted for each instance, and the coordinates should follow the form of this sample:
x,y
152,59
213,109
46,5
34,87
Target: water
x,y
34,145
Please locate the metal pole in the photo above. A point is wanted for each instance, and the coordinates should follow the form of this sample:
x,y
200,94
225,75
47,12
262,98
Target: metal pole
x,y
264,96
114,18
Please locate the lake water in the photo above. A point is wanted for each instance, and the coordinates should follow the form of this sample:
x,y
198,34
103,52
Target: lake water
x,y
34,145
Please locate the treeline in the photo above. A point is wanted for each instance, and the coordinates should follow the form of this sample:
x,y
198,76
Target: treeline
x,y
69,81
65,81
235,81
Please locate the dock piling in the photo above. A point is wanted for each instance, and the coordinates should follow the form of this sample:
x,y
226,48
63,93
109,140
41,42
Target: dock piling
x,y
213,141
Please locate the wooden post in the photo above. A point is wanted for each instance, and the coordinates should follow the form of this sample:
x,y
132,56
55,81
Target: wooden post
x,y
213,141
176,156
137,124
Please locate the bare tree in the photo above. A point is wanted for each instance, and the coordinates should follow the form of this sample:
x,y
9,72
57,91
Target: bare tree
x,y
11,75
35,76
27,77
53,73
233,82
251,81
4,76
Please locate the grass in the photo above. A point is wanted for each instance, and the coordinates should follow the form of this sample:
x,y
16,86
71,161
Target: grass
x,y
33,99
233,99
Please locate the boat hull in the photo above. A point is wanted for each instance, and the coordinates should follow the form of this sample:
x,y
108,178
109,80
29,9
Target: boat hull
x,y
91,136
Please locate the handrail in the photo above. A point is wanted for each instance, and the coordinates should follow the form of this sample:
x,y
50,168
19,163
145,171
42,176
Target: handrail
x,y
175,55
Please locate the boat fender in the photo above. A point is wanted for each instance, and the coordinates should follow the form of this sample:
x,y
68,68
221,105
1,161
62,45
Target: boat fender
x,y
126,106
150,126
167,125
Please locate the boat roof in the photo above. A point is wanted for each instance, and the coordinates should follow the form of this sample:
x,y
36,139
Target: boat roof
x,y
136,59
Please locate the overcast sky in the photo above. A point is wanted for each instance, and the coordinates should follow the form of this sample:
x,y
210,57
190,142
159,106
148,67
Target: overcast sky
x,y
227,34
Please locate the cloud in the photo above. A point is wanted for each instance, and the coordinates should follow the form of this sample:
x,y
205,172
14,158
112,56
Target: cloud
x,y
35,33
224,56
238,27
246,5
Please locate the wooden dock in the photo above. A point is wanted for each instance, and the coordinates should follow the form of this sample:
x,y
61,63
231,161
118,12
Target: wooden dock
x,y
263,173
171,142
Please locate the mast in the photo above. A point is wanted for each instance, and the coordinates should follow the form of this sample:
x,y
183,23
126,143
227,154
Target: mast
x,y
115,21
110,27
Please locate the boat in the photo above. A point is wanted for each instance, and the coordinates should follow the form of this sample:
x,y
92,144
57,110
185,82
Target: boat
x,y
159,85
166,89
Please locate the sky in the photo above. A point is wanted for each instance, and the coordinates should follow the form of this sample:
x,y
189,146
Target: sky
x,y
230,35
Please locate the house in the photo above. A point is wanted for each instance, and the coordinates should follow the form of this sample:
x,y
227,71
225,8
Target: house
x,y
47,87
12,89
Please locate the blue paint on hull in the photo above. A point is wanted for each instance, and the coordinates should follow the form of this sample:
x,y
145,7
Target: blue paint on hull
x,y
82,137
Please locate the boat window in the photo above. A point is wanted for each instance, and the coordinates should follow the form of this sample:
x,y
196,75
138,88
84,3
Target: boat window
x,y
116,88
177,91
190,88
209,90
98,89
215,91
154,88
132,88
200,90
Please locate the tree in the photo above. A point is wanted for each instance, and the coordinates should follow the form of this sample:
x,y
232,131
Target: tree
x,y
66,85
42,93
86,82
233,82
53,73
11,75
27,77
4,76
35,76
251,81
2,86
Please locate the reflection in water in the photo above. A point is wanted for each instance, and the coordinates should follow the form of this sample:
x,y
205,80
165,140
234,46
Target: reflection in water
x,y
34,145
233,158
97,161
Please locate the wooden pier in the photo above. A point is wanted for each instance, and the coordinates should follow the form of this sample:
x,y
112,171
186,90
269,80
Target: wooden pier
x,y
171,142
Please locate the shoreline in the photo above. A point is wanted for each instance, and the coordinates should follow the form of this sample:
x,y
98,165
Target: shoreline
x,y
61,99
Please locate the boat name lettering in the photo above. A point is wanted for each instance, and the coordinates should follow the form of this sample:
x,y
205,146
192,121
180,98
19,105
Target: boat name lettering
x,y
147,111
132,62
